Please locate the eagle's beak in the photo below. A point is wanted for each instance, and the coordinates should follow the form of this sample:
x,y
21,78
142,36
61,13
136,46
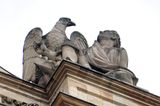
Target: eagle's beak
x,y
71,23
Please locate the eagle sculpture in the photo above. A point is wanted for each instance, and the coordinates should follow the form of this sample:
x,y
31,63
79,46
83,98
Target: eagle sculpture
x,y
40,52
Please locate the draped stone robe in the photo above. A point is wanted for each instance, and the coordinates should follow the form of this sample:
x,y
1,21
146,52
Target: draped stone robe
x,y
107,58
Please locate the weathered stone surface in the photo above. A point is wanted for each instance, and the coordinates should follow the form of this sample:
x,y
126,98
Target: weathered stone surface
x,y
106,51
107,55
95,88
43,54
81,46
84,87
69,51
13,102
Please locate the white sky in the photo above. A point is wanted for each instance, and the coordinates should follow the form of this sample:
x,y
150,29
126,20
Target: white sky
x,y
136,21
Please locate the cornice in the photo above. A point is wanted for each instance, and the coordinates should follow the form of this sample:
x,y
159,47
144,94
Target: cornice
x,y
68,69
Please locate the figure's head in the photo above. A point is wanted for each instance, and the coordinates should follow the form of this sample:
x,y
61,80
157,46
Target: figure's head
x,y
66,21
109,35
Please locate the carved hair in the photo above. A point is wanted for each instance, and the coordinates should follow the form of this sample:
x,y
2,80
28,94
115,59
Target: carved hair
x,y
110,34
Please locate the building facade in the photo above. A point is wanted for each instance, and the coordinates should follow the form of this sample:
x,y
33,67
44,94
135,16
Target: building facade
x,y
73,85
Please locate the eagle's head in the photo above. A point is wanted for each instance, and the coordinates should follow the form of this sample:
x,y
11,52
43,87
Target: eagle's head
x,y
66,21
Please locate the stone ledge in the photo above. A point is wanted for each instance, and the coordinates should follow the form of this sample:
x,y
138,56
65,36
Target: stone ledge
x,y
71,70
132,93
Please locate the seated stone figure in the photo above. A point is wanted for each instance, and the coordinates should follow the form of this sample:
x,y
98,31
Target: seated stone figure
x,y
107,55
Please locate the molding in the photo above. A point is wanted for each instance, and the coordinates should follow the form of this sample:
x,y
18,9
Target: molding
x,y
63,99
69,69
21,87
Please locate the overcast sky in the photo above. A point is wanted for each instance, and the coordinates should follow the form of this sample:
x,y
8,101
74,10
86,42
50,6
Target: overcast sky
x,y
136,21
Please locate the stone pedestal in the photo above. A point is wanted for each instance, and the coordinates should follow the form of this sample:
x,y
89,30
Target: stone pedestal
x,y
74,85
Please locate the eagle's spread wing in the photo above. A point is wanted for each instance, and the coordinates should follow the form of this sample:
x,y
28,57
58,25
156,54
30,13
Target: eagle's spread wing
x,y
35,35
81,44
79,40
33,38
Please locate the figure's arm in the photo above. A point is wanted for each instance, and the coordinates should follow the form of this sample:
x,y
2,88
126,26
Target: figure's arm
x,y
123,58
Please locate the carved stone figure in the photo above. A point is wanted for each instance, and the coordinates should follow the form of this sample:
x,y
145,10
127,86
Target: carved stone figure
x,y
106,51
31,59
107,55
42,54
56,37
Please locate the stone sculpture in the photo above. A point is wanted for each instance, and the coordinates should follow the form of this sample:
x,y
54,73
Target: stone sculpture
x,y
31,59
42,54
56,38
107,55
106,51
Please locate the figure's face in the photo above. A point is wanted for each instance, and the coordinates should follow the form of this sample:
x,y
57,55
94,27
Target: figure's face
x,y
107,43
